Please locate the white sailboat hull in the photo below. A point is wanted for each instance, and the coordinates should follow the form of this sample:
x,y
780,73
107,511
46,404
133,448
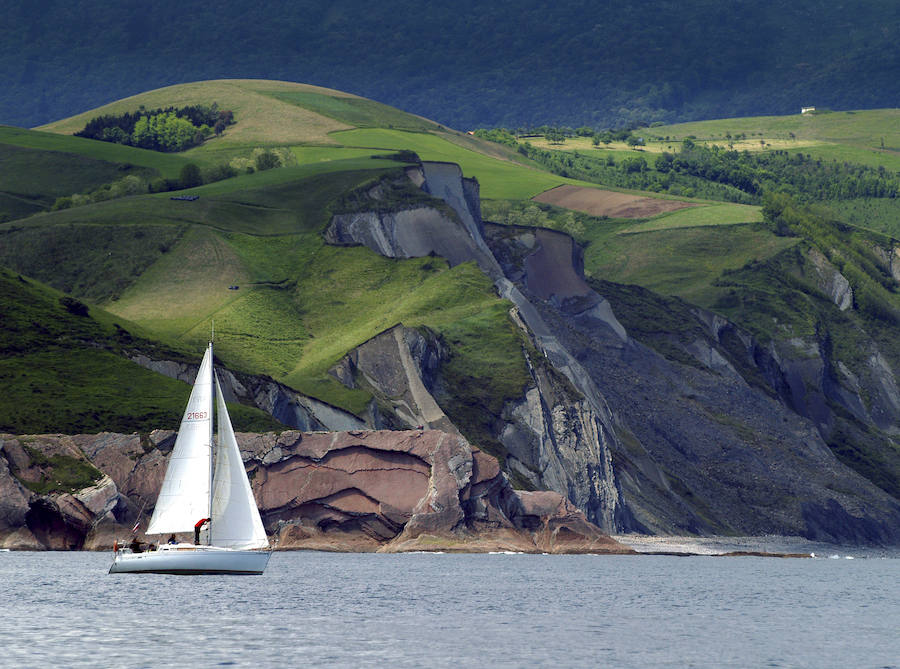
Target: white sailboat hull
x,y
188,559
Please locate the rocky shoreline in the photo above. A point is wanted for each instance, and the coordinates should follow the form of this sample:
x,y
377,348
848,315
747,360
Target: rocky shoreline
x,y
762,546
380,490
352,491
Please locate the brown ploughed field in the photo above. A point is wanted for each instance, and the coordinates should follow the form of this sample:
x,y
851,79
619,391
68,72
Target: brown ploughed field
x,y
597,202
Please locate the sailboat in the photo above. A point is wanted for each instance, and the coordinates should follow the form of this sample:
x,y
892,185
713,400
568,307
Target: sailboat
x,y
205,485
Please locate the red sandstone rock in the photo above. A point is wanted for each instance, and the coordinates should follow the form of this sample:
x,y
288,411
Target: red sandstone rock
x,y
344,491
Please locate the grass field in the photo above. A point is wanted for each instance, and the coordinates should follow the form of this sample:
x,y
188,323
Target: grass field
x,y
682,261
880,215
861,128
871,157
260,117
692,217
61,368
46,175
498,179
354,111
167,164
301,304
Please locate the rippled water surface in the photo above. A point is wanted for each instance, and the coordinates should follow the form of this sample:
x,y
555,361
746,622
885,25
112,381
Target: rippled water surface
x,y
320,609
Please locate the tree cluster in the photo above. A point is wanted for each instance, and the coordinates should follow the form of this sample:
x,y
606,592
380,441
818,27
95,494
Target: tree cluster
x,y
631,172
805,177
169,130
713,172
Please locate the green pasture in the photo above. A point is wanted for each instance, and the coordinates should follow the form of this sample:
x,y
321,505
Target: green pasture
x,y
359,112
100,251
880,215
260,118
167,164
862,155
683,261
45,175
497,178
861,128
299,306
692,217
14,206
65,370
321,154
287,175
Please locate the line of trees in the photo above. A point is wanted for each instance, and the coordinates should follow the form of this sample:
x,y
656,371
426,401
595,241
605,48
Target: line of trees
x,y
170,130
713,172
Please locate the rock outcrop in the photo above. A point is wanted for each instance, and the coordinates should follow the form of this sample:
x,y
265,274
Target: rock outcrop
x,y
535,434
283,403
343,491
399,367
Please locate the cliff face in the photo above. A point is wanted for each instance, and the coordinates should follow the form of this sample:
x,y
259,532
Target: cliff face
x,y
388,490
285,404
725,436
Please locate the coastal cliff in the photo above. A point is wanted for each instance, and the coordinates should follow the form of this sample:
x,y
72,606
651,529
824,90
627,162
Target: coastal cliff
x,y
390,491
701,430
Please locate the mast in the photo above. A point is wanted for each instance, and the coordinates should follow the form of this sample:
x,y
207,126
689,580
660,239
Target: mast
x,y
211,448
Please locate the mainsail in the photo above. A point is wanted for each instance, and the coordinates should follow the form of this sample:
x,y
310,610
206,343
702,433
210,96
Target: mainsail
x,y
235,519
184,496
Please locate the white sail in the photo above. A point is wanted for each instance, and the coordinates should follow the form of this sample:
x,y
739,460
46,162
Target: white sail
x,y
235,518
184,497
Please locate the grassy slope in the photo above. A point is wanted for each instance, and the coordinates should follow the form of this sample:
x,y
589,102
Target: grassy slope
x,y
310,119
65,371
261,117
851,136
167,164
682,262
38,167
709,215
498,178
879,215
301,304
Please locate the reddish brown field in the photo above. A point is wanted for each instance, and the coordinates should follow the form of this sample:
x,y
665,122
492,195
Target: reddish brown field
x,y
597,202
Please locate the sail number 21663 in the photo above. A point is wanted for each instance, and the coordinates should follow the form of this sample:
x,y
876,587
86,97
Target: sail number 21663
x,y
195,415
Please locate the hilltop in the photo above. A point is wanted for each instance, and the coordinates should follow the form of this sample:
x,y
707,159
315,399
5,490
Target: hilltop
x,y
679,364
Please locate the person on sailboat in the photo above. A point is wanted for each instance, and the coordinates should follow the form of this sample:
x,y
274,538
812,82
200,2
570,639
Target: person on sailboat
x,y
172,540
197,528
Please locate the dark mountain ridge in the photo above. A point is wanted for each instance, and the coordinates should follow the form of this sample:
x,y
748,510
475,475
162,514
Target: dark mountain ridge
x,y
470,64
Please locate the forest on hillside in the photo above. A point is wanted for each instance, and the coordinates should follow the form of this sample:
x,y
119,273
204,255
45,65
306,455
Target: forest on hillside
x,y
466,64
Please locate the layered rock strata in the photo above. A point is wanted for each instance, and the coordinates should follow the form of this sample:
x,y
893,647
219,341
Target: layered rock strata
x,y
391,491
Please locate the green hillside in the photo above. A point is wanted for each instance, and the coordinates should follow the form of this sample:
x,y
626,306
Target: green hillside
x,y
869,137
62,369
301,305
247,250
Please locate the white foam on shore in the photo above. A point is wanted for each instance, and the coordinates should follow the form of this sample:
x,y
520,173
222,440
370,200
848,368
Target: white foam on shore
x,y
716,545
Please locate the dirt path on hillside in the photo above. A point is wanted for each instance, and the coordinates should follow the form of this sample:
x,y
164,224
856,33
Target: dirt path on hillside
x,y
597,202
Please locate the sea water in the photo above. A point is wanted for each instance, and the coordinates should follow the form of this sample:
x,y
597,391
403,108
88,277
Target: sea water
x,y
434,610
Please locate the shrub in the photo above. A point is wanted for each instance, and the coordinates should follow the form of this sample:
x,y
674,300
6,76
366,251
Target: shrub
x,y
73,306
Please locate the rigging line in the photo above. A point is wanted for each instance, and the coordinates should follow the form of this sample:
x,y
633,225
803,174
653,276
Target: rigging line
x,y
134,529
